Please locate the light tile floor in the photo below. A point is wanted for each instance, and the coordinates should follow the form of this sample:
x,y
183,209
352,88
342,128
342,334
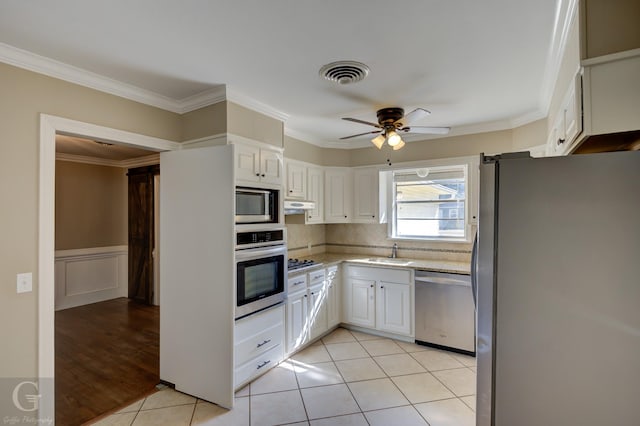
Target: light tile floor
x,y
347,378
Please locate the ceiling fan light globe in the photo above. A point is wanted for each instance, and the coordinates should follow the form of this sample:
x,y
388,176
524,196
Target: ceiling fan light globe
x,y
378,141
399,145
393,138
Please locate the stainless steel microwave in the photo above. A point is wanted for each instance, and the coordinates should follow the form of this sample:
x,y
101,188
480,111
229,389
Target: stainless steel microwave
x,y
256,205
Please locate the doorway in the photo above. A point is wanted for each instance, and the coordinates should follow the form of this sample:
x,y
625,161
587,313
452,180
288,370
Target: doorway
x,y
51,125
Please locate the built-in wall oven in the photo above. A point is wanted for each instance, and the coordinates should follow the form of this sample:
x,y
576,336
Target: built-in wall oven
x,y
261,269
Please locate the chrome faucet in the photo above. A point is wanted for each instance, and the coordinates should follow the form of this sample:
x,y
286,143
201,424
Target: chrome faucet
x,y
394,251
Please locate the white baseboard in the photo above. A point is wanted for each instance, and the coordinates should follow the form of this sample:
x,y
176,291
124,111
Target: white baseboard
x,y
84,276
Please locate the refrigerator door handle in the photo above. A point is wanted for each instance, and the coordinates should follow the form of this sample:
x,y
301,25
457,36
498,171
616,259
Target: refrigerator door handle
x,y
474,270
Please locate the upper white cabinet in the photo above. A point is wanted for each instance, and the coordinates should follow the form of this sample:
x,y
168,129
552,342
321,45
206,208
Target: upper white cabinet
x,y
315,192
338,195
365,192
296,180
567,124
258,164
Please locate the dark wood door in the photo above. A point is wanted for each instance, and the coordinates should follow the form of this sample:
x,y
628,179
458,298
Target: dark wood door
x,y
141,234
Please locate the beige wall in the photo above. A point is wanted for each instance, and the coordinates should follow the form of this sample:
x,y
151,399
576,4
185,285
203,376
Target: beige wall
x,y
250,124
296,149
530,135
611,26
208,121
91,206
454,146
24,96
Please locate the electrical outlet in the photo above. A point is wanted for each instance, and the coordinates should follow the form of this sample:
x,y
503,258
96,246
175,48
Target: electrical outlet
x,y
24,282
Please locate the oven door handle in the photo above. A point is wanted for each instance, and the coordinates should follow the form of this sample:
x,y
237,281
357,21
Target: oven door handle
x,y
257,253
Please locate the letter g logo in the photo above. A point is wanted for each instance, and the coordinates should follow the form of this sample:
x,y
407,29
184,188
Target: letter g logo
x,y
32,398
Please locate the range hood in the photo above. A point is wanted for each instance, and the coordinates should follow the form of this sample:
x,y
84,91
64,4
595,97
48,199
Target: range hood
x,y
298,206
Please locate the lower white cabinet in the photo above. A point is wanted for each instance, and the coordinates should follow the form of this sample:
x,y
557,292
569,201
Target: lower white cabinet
x,y
313,306
259,344
297,308
379,298
334,298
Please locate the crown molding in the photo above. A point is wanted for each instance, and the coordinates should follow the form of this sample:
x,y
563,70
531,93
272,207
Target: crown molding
x,y
52,68
255,105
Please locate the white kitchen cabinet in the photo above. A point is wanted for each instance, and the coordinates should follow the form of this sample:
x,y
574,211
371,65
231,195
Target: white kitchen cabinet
x,y
393,310
365,194
334,297
317,313
379,298
338,195
567,123
297,312
259,344
296,180
360,302
255,164
315,192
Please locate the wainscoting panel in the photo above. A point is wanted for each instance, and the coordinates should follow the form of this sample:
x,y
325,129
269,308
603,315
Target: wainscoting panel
x,y
91,275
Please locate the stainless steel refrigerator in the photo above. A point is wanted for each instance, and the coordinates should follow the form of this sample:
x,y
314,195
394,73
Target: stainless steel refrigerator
x,y
558,289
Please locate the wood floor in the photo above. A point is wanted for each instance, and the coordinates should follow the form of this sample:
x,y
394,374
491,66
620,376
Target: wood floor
x,y
107,354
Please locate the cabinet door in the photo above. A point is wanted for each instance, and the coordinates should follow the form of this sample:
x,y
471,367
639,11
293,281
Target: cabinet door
x,y
315,192
296,180
297,310
393,307
317,315
360,299
365,193
247,165
271,167
333,297
337,196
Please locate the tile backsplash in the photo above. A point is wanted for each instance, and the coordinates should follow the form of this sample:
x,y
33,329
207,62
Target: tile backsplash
x,y
368,239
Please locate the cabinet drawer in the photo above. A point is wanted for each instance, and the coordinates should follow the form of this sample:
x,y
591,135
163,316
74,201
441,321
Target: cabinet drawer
x,y
379,274
258,365
258,344
257,323
316,277
297,283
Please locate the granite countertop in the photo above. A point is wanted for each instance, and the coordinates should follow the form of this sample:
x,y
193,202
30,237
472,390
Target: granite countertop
x,y
326,259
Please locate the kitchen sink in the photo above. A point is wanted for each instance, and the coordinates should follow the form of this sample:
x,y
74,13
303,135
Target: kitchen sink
x,y
390,261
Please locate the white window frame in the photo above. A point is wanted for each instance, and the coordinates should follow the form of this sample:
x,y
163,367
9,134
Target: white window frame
x,y
471,167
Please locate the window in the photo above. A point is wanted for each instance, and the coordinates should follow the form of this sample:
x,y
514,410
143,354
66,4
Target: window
x,y
429,203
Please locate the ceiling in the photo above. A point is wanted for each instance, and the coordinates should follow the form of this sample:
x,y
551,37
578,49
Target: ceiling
x,y
476,65
81,147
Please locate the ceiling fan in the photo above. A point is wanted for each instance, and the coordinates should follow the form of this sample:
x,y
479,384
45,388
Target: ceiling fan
x,y
391,122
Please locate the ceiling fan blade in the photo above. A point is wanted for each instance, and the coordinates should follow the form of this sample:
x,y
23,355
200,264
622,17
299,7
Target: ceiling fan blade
x,y
426,130
413,116
355,120
360,134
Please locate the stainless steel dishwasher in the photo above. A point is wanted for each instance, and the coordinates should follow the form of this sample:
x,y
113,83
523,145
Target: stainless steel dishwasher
x,y
445,311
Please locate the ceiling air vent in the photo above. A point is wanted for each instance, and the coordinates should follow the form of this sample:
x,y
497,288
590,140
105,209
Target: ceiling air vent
x,y
344,72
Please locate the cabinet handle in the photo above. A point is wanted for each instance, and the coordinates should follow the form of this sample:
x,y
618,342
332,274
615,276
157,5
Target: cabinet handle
x,y
306,295
371,286
561,141
263,364
373,216
291,190
382,287
345,216
298,283
262,175
263,343
258,174
309,217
